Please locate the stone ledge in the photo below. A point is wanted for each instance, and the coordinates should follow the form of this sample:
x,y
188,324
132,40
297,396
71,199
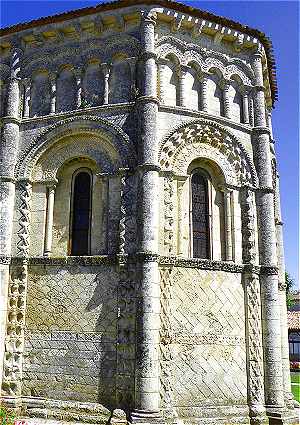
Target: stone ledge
x,y
181,110
201,264
77,112
140,257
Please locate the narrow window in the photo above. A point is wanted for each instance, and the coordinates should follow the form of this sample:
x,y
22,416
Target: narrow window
x,y
81,214
200,216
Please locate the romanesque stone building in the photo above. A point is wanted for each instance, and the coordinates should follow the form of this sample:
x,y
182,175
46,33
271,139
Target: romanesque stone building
x,y
141,246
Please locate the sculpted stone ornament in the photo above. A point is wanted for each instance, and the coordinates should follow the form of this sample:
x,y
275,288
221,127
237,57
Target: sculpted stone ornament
x,y
141,247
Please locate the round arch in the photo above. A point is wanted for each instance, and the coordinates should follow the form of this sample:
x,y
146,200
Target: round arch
x,y
85,136
207,139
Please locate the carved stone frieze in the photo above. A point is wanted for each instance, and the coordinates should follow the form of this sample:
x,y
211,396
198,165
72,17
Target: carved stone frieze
x,y
14,340
248,223
254,348
166,385
25,193
128,216
169,215
200,264
126,336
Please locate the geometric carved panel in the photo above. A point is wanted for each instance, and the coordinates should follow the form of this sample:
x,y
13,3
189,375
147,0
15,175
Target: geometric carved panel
x,y
71,333
203,338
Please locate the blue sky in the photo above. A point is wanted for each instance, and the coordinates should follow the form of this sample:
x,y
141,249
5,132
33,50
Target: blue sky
x,y
279,20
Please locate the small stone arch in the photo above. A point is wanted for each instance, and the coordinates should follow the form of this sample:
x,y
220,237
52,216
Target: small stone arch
x,y
108,144
190,51
207,139
85,145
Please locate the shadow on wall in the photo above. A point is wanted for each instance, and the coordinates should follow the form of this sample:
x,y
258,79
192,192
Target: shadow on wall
x,y
72,327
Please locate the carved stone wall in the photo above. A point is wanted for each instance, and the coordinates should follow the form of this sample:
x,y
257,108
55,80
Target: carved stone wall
x,y
142,96
71,333
202,339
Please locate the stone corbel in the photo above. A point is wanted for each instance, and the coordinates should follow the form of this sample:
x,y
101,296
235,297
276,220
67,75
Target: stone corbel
x,y
219,35
238,43
99,25
119,22
176,23
197,28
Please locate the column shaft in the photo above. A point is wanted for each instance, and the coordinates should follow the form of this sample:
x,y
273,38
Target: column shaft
x,y
267,247
49,220
180,184
254,349
106,72
161,77
183,101
228,225
245,108
226,101
269,121
204,100
78,88
282,300
147,396
53,94
27,88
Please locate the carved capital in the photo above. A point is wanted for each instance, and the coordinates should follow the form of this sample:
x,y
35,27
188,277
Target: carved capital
x,y
148,17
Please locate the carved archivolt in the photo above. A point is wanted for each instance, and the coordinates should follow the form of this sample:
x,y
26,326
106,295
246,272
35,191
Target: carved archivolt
x,y
206,139
188,52
85,145
96,138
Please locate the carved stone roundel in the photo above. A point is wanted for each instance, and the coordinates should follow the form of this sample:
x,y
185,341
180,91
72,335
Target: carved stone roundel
x,y
205,139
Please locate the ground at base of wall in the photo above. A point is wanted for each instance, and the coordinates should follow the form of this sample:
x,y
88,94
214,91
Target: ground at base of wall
x,y
295,380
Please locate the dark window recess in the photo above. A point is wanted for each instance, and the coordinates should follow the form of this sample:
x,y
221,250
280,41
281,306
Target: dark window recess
x,y
81,214
200,216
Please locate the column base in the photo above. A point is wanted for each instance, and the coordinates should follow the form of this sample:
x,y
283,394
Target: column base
x,y
285,417
146,416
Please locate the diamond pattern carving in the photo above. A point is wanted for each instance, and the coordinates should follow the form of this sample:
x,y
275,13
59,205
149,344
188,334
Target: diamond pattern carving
x,y
205,335
71,333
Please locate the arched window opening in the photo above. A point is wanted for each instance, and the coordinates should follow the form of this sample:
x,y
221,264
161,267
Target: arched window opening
x,y
81,214
200,215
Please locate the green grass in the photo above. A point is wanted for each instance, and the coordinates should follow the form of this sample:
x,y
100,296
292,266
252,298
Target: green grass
x,y
295,379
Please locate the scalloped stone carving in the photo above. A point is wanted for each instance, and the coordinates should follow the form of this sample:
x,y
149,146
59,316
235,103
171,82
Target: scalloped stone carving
x,y
204,139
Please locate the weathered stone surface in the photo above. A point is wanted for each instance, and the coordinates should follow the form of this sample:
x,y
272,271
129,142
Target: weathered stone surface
x,y
143,326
